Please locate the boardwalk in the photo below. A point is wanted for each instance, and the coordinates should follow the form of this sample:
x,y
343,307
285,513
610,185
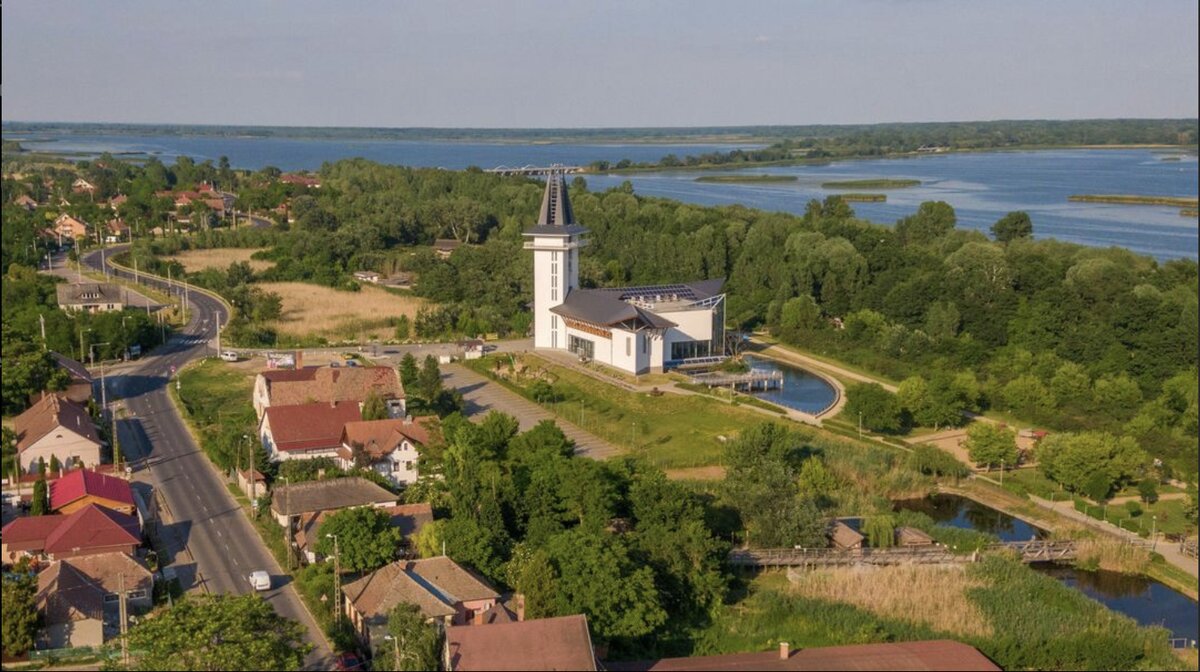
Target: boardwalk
x,y
1030,551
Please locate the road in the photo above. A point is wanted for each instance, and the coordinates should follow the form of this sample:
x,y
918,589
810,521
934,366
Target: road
x,y
212,542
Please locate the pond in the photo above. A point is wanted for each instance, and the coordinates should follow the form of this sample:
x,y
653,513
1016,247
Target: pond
x,y
802,390
1144,600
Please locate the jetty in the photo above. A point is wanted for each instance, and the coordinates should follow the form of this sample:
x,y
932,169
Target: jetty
x,y
751,381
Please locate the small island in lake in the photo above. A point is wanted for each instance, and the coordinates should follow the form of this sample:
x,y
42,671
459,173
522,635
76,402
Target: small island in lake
x,y
753,179
1188,212
863,198
1130,199
870,184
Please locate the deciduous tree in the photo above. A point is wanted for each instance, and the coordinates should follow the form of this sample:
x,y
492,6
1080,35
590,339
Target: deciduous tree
x,y
992,445
366,539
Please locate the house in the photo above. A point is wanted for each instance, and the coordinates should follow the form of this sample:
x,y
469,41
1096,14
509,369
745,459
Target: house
x,y
92,297
844,537
307,181
911,536
367,276
439,587
79,598
305,431
407,518
118,230
81,487
289,502
471,349
390,447
56,427
117,201
941,654
79,389
253,485
69,227
633,329
562,643
444,247
82,186
89,531
289,387
24,201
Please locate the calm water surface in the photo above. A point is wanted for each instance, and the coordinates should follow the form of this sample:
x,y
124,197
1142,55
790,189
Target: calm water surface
x,y
967,514
802,390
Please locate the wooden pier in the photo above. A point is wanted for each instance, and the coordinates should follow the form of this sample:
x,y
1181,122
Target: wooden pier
x,y
751,381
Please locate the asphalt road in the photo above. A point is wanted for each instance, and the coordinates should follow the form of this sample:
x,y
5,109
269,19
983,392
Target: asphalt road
x,y
214,546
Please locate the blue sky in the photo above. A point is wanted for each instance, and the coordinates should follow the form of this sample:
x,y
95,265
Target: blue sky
x,y
599,63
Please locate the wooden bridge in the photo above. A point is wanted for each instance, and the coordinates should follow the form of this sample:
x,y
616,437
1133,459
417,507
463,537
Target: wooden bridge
x,y
535,170
749,381
1037,550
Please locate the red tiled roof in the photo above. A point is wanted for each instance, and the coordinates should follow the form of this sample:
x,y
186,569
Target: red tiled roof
x,y
93,527
325,383
310,426
29,533
561,643
85,482
381,437
934,655
48,414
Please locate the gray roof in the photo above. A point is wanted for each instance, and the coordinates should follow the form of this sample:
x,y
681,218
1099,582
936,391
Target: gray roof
x,y
328,495
603,307
697,290
556,217
88,292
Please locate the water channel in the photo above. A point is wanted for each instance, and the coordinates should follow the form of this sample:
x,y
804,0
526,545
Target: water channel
x,y
802,390
1144,600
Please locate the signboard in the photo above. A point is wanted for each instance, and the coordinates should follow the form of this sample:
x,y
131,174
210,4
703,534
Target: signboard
x,y
135,350
281,360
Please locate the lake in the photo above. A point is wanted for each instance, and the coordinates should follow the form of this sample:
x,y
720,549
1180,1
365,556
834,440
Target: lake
x,y
802,390
981,186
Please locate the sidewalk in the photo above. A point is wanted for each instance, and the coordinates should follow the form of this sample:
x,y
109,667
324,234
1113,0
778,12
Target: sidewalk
x,y
1169,550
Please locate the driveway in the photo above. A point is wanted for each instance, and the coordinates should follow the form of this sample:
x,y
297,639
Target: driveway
x,y
482,395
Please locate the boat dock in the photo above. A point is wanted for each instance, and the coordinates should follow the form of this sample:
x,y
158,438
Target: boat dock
x,y
750,381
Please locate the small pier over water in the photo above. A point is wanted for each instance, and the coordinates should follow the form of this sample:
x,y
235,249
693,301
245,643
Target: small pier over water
x,y
751,381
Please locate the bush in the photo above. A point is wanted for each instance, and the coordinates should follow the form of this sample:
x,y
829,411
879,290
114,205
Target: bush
x,y
1148,489
1133,508
931,460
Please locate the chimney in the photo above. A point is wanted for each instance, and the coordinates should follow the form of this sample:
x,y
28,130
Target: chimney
x,y
519,602
784,653
477,617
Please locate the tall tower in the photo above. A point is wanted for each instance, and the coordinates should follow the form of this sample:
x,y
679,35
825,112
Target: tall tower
x,y
555,241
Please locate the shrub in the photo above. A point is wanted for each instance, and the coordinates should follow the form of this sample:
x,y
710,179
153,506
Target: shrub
x,y
1148,489
1133,508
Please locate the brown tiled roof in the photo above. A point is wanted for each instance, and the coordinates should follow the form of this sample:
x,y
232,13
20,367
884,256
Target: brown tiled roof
x,y
562,643
65,594
326,383
74,293
328,495
105,570
410,518
912,535
48,414
497,613
79,372
450,579
941,654
375,594
380,437
843,535
310,426
447,244
307,531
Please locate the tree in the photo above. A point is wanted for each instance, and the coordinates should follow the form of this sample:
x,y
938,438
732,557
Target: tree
x,y
374,408
991,445
761,484
55,465
414,642
1148,490
402,328
366,539
879,409
218,632
408,371
1028,397
880,531
40,505
429,380
932,220
530,573
1012,226
1093,463
19,625
799,314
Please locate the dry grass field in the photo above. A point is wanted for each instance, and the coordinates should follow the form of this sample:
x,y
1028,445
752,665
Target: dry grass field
x,y
321,311
928,594
221,257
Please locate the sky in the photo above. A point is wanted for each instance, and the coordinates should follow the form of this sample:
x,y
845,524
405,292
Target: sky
x,y
601,63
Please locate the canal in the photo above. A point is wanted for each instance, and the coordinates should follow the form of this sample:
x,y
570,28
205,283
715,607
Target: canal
x,y
802,390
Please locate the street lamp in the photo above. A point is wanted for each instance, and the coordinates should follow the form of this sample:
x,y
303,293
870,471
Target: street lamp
x,y
337,581
396,642
1153,532
103,387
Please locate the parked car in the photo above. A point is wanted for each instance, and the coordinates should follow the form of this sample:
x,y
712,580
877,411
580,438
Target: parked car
x,y
229,356
351,362
334,363
347,355
348,660
260,580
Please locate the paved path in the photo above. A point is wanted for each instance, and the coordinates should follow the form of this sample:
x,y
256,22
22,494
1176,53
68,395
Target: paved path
x,y
1169,550
482,395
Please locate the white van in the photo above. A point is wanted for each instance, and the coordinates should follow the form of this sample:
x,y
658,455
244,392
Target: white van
x,y
229,356
260,580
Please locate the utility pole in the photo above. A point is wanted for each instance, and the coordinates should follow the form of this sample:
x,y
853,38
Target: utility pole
x,y
337,582
860,424
42,322
218,316
124,621
253,480
287,528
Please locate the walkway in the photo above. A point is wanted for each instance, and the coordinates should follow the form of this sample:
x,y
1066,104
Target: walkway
x,y
482,395
1169,550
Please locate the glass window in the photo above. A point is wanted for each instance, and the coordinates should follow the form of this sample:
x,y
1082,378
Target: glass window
x,y
581,346
628,345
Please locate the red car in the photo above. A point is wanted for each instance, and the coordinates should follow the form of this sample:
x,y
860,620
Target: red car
x,y
348,660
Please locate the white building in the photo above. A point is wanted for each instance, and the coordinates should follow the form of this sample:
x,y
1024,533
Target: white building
x,y
634,329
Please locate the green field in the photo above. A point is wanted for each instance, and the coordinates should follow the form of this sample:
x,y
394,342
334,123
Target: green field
x,y
1130,199
215,399
670,430
870,184
751,179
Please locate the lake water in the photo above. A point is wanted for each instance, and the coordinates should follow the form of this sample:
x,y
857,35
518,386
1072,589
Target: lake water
x,y
1145,600
982,187
802,390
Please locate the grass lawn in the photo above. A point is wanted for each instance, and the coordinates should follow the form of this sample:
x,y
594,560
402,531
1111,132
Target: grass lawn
x,y
214,397
219,258
1165,515
672,431
1031,481
315,311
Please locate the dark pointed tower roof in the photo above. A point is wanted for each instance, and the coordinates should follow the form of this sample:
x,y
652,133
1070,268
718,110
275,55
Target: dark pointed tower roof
x,y
556,216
